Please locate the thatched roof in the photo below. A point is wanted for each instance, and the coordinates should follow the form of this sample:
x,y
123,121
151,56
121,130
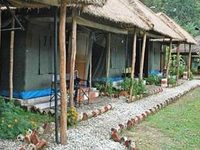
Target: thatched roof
x,y
184,48
40,3
131,12
117,11
177,28
152,19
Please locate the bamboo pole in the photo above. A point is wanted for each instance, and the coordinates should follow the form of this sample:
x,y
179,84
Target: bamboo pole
x,y
133,63
169,58
178,61
63,92
73,57
142,56
12,43
189,60
108,56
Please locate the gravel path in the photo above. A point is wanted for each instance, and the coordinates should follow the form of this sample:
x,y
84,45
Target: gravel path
x,y
94,133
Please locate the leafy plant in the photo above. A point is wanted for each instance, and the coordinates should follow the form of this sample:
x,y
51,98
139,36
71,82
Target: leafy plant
x,y
72,116
172,80
106,87
126,84
153,80
139,87
194,71
14,120
173,66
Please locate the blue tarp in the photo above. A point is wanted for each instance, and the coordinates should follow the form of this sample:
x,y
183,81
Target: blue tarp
x,y
28,94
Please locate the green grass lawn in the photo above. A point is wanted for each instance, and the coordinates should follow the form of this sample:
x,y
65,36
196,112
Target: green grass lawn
x,y
176,127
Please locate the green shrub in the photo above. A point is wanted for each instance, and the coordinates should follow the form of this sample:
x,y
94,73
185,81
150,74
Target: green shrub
x,y
14,120
72,116
153,80
106,86
173,66
172,81
126,84
138,87
194,71
191,76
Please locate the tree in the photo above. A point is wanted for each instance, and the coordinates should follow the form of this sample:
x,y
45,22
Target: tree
x,y
184,12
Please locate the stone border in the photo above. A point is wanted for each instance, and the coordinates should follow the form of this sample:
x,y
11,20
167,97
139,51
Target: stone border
x,y
87,115
139,118
151,92
81,116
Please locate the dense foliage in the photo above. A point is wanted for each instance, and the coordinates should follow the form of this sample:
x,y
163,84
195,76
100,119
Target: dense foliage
x,y
173,66
184,12
14,120
137,85
153,80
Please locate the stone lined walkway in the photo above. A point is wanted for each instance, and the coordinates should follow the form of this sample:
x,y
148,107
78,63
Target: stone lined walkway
x,y
94,134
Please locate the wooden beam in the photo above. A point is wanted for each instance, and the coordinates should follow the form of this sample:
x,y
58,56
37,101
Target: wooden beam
x,y
12,43
63,91
142,56
178,61
88,23
169,58
133,63
189,60
108,56
73,57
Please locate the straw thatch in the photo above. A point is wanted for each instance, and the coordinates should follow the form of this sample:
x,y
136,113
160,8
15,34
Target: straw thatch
x,y
134,13
184,48
117,11
151,18
177,28
43,3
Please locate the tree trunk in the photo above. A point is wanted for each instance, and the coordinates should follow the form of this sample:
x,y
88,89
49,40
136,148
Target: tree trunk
x,y
142,56
169,58
63,92
189,60
73,57
133,63
178,61
12,38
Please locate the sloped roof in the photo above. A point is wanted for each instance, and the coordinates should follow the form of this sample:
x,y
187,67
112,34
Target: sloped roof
x,y
184,48
117,11
40,3
152,19
132,12
177,28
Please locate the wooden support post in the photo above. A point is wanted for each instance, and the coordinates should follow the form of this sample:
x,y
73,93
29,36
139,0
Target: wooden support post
x,y
63,91
189,60
108,56
169,58
0,26
12,43
133,63
178,61
55,71
90,75
73,57
142,56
